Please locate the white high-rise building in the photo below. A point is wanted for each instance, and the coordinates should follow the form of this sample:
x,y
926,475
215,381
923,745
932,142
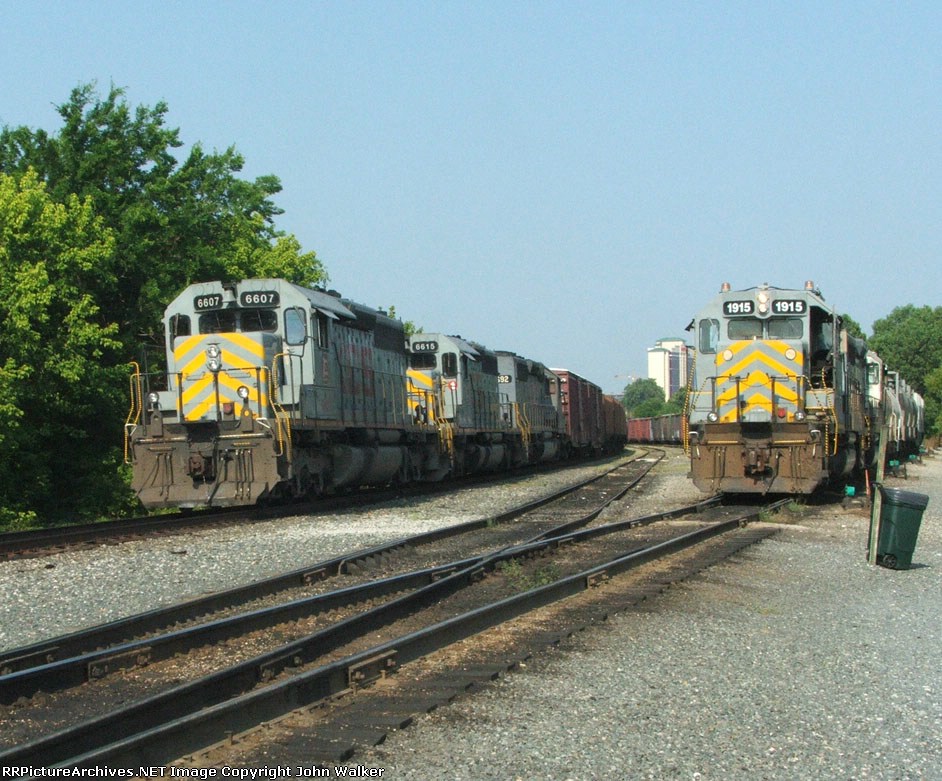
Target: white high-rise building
x,y
669,364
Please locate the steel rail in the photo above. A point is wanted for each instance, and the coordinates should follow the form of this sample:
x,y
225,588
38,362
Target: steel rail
x,y
16,543
196,714
93,665
124,629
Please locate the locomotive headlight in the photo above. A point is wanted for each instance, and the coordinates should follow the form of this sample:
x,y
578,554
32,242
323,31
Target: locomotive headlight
x,y
243,393
763,298
214,354
799,416
727,355
713,417
790,354
152,399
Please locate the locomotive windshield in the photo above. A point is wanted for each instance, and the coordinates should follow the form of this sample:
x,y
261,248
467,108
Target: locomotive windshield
x,y
423,361
773,328
244,320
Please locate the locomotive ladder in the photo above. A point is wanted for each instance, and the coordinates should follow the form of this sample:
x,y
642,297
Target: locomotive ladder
x,y
282,428
523,422
446,436
827,406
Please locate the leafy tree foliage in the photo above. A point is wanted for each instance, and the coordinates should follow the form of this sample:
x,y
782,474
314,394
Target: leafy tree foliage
x,y
933,399
173,222
853,327
641,397
409,327
57,361
101,226
676,403
910,341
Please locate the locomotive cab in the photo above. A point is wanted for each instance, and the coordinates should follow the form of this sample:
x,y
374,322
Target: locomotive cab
x,y
254,369
453,380
528,407
776,398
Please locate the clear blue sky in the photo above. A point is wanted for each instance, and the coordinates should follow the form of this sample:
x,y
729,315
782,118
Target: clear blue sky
x,y
571,181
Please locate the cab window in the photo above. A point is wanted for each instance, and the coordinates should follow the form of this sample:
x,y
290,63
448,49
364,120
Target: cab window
x,y
319,329
709,335
786,328
258,320
179,325
295,327
449,364
218,322
422,361
744,328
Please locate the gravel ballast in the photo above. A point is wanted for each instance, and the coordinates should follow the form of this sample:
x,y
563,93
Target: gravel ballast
x,y
51,596
796,660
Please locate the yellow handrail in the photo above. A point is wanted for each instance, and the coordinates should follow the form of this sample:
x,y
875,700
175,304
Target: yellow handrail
x,y
523,423
281,417
137,406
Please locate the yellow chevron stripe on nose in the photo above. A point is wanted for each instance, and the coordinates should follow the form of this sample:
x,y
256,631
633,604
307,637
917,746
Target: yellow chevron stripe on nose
x,y
419,380
770,354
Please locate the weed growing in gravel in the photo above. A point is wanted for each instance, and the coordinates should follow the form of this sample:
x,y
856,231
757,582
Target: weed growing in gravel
x,y
522,580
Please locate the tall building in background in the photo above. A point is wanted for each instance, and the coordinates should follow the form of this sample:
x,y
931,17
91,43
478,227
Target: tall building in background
x,y
670,362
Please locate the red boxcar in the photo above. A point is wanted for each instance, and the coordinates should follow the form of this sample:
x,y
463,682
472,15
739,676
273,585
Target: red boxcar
x,y
666,429
615,425
579,402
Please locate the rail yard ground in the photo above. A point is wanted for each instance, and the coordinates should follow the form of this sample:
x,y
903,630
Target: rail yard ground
x,y
795,660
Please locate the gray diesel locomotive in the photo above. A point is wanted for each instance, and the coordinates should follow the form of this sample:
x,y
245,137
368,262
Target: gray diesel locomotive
x,y
782,398
275,390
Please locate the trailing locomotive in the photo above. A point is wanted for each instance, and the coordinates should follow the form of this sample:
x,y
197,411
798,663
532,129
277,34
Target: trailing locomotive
x,y
782,398
275,390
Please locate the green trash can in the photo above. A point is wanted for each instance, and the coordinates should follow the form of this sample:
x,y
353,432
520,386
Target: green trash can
x,y
900,516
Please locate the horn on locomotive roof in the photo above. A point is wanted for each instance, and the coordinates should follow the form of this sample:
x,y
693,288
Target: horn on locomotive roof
x,y
724,288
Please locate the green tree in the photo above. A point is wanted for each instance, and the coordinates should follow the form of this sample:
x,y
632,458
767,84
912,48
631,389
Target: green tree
x,y
909,340
853,327
102,226
57,360
173,222
933,399
642,396
676,403
408,326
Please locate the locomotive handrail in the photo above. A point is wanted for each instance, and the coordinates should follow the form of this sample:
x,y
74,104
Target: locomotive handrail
x,y
685,417
282,428
523,423
137,407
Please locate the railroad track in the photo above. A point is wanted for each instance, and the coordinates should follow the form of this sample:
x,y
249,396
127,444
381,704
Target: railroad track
x,y
298,583
204,711
433,609
35,543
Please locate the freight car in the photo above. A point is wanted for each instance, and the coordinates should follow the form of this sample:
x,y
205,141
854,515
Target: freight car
x,y
780,396
614,425
660,429
275,390
896,409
